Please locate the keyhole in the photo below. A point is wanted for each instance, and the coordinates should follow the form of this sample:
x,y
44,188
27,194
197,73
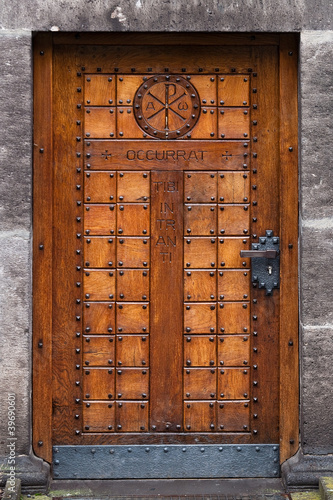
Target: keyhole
x,y
269,269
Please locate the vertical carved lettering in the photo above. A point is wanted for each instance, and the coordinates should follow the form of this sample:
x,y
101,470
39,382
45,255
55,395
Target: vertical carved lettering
x,y
166,308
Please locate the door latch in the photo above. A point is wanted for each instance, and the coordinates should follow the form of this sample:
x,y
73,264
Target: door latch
x,y
265,264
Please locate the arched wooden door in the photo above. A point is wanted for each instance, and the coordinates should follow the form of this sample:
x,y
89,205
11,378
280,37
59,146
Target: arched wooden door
x,y
158,174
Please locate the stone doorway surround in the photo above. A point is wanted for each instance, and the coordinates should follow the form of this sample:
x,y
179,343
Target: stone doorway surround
x,y
312,20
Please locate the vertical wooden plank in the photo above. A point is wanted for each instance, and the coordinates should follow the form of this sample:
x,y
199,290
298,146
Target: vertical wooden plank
x,y
166,306
42,248
67,245
289,380
265,216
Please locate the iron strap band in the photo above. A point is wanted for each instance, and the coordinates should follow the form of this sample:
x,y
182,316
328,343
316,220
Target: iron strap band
x,y
165,461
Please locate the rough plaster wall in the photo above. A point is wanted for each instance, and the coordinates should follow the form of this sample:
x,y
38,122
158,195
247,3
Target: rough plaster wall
x,y
17,21
316,240
15,214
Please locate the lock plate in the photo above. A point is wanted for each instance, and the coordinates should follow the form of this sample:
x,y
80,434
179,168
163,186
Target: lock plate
x,y
266,271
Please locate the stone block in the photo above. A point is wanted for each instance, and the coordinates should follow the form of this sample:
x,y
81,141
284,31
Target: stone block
x,y
15,293
303,471
326,488
16,130
316,389
316,54
316,273
167,15
12,490
31,471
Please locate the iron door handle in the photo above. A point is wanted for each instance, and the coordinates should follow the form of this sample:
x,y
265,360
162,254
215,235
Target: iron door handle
x,y
266,254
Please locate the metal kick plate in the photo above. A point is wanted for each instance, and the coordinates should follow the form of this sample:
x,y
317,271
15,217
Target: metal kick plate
x,y
165,461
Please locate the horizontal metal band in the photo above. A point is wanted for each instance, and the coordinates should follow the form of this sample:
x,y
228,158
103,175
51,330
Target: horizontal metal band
x,y
166,461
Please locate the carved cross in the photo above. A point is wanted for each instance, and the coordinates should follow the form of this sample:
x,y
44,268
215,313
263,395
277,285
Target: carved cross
x,y
105,155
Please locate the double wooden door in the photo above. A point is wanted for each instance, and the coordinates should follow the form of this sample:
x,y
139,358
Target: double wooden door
x,y
161,164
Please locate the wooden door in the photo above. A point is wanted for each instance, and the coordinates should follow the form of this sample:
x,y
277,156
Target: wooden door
x,y
165,166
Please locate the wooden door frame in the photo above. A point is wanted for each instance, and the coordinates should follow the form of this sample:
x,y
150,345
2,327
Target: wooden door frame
x,y
42,218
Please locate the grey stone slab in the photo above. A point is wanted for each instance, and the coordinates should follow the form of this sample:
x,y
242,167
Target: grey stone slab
x,y
166,487
168,15
316,54
316,388
316,272
15,365
16,130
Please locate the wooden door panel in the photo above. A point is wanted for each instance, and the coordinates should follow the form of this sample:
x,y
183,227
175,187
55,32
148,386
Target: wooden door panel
x,y
127,86
133,219
100,252
99,285
100,187
229,252
133,285
206,128
99,317
98,350
206,85
199,350
132,318
200,252
200,318
229,155
99,220
132,383
166,276
233,90
100,123
233,350
233,285
233,383
98,383
233,416
233,123
133,252
132,416
234,187
233,219
199,416
133,187
132,350
200,187
98,416
200,383
99,90
127,125
199,286
200,219
233,317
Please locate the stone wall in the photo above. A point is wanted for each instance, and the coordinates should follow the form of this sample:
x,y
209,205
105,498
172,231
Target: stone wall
x,y
316,249
312,18
15,233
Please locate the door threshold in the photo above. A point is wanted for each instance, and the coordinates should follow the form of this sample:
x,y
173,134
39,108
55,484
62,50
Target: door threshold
x,y
169,488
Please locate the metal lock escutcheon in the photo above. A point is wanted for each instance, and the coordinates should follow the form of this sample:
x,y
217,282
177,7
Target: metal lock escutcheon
x,y
265,263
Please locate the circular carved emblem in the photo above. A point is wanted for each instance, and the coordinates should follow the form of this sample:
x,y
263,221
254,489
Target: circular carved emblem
x,y
166,107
